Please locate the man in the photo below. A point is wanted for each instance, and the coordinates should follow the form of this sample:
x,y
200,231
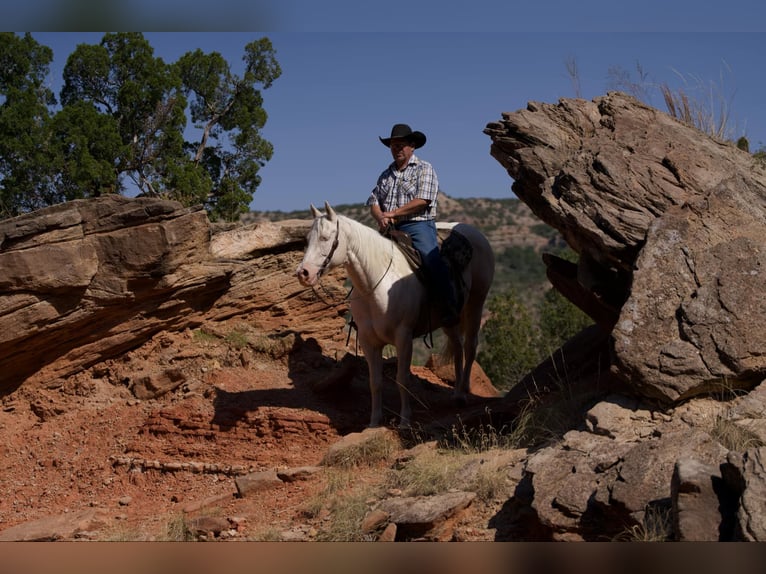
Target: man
x,y
405,197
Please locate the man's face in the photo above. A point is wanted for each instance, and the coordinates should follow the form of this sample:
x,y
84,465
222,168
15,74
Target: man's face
x,y
401,151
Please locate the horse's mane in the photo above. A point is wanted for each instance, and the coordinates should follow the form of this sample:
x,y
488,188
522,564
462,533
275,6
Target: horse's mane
x,y
372,248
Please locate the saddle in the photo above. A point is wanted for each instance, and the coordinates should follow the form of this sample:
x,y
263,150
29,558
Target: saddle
x,y
455,250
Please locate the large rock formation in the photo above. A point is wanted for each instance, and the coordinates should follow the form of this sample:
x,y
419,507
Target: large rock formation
x,y
668,224
89,280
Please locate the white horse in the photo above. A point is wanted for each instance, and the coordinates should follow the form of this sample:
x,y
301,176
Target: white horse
x,y
389,303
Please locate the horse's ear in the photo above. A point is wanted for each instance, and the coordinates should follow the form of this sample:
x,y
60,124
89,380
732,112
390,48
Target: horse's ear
x,y
315,212
330,211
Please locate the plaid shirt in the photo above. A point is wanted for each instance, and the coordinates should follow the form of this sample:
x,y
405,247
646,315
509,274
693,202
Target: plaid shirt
x,y
395,189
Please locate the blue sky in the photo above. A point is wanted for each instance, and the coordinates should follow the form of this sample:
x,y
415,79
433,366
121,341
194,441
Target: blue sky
x,y
339,91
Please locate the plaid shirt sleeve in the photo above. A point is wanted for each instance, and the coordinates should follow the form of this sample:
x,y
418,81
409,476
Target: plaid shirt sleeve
x,y
428,185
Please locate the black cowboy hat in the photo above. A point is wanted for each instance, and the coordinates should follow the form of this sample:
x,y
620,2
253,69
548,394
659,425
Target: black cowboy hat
x,y
418,139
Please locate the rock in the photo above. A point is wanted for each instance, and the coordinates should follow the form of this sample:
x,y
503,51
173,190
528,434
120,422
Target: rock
x,y
89,279
249,241
388,534
52,528
426,517
375,520
571,483
479,385
699,320
696,514
618,416
366,446
647,469
299,473
746,475
668,225
257,482
207,525
152,385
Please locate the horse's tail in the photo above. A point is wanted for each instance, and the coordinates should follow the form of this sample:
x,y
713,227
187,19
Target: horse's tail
x,y
447,353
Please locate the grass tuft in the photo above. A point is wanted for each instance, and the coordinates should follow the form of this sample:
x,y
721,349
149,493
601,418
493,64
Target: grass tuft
x,y
656,526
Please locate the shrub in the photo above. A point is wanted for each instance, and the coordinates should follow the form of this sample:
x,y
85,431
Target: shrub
x,y
511,342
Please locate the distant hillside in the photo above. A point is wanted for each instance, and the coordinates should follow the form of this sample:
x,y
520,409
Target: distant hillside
x,y
517,236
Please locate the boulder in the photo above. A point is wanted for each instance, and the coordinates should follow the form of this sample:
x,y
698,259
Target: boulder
x,y
668,224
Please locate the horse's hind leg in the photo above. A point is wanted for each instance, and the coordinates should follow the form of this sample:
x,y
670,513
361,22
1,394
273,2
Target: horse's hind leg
x,y
403,360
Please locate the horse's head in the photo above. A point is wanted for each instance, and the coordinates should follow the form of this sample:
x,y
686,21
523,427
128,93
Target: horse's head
x,y
321,246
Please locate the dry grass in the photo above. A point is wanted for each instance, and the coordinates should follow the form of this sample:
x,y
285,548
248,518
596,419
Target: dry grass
x,y
174,529
269,534
700,104
485,437
656,526
448,468
432,472
734,436
377,448
730,433
342,505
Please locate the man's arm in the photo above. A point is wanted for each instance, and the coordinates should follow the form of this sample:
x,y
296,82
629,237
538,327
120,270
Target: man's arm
x,y
412,207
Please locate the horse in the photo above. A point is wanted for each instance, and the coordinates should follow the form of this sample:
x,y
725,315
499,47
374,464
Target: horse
x,y
389,302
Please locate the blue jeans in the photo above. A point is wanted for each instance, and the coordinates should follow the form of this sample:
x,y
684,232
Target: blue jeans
x,y
438,283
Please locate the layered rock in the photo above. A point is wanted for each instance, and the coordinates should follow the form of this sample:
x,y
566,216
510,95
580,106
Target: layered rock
x,y
668,224
88,280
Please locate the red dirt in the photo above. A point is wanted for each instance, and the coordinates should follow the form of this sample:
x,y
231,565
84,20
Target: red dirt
x,y
88,443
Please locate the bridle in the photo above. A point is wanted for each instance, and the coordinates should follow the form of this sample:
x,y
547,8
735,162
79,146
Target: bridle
x,y
326,263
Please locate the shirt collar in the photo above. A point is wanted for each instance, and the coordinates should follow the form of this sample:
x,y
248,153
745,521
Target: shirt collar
x,y
414,160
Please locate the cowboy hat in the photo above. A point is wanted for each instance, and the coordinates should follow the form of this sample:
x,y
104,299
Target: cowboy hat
x,y
404,131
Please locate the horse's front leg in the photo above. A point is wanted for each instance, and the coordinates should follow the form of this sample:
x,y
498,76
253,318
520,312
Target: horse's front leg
x,y
403,360
374,356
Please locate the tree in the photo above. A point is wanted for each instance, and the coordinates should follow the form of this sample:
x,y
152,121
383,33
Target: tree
x,y
122,119
123,80
26,169
224,104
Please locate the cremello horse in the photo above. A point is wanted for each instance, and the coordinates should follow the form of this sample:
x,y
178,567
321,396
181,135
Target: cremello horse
x,y
389,303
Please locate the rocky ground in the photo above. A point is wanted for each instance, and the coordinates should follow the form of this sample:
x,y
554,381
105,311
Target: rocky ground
x,y
86,459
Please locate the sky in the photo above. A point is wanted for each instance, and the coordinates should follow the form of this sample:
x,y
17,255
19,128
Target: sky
x,y
340,90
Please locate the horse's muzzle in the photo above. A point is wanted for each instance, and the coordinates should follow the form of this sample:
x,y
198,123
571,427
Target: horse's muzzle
x,y
305,278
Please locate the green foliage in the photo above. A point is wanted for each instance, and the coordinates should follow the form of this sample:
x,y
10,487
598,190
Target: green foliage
x,y
743,144
87,144
519,267
123,118
229,111
520,334
26,177
559,320
511,341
